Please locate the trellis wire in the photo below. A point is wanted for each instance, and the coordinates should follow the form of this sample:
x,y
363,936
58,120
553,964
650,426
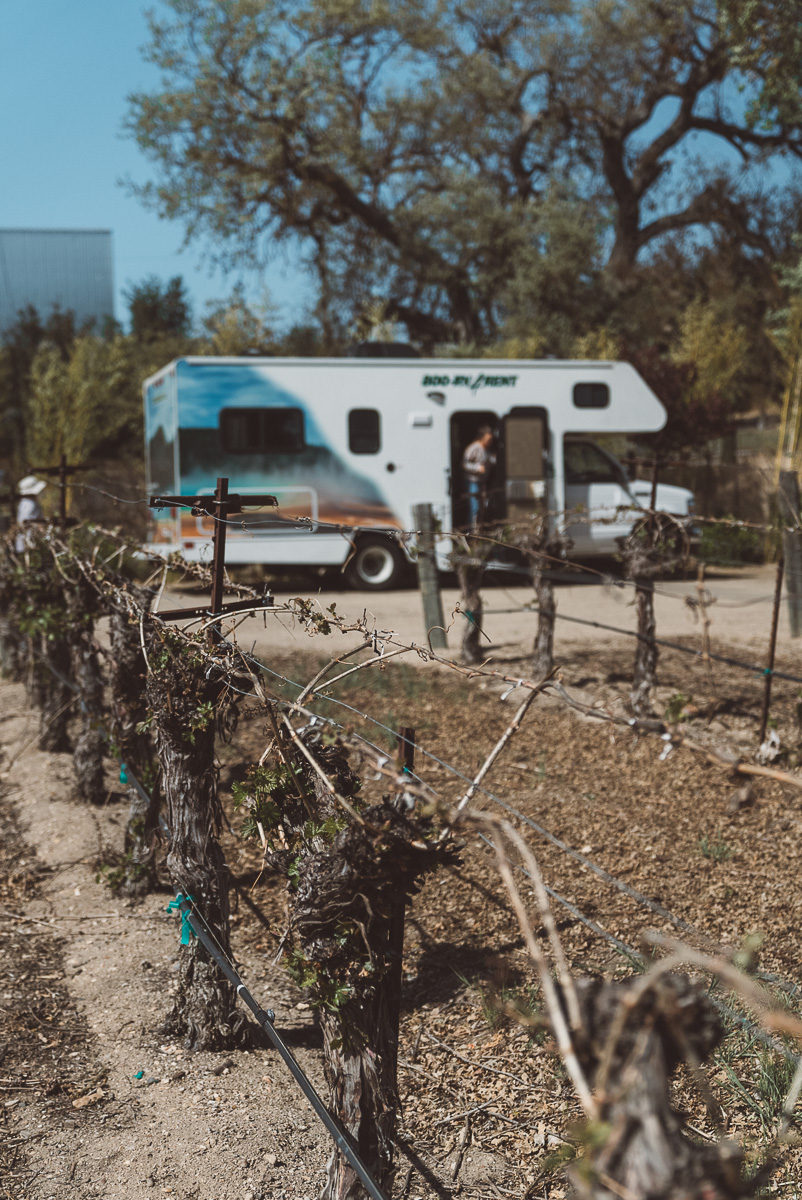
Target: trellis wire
x,y
621,885
601,872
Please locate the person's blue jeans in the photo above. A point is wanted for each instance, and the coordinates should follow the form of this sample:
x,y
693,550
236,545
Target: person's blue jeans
x,y
474,500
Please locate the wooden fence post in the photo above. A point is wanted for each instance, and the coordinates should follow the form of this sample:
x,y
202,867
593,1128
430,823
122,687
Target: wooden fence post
x,y
395,937
427,577
788,497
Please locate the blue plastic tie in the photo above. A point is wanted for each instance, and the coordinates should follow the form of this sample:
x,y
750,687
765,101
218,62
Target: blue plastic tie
x,y
186,929
123,773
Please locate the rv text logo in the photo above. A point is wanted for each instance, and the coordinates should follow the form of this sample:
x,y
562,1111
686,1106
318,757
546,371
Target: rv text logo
x,y
473,382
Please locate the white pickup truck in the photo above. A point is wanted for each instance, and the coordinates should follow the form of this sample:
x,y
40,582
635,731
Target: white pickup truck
x,y
602,504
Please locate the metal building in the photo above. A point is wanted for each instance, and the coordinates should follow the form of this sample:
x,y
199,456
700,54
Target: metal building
x,y
68,268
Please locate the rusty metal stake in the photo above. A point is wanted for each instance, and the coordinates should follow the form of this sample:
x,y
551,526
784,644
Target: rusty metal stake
x,y
220,519
769,671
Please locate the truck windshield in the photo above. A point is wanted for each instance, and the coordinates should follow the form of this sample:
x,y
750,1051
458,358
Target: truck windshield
x,y
587,463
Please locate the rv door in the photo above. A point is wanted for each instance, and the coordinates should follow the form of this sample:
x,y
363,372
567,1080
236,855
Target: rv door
x,y
526,448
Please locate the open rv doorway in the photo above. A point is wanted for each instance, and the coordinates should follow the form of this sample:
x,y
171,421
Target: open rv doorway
x,y
518,484
465,428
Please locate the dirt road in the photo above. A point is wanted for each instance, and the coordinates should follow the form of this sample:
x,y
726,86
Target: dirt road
x,y
740,612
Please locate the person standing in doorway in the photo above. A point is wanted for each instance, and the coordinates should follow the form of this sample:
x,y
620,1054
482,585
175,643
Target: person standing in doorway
x,y
29,508
478,461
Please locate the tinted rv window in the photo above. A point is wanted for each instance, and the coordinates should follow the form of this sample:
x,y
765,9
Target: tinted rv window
x,y
364,431
591,395
262,430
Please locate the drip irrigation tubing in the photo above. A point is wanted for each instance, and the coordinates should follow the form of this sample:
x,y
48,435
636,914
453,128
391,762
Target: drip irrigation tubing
x,y
266,1018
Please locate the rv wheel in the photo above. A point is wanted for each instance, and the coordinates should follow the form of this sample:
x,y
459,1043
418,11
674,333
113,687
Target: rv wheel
x,y
377,564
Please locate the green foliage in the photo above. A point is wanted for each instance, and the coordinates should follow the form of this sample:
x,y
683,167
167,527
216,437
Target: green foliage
x,y
324,990
263,794
35,594
716,347
233,327
765,43
83,404
756,1077
718,850
19,344
730,545
158,310
676,706
199,719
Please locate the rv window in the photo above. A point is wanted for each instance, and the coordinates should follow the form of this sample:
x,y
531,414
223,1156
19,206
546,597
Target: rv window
x,y
364,431
591,395
262,430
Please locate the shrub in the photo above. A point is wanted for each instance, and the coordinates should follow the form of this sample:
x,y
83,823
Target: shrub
x,y
728,545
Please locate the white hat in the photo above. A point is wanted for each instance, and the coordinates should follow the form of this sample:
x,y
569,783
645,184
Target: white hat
x,y
31,486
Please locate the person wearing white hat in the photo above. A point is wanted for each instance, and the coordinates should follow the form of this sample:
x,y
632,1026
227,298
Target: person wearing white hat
x,y
29,508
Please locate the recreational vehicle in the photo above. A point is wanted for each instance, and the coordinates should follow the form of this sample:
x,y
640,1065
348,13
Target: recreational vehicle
x,y
348,446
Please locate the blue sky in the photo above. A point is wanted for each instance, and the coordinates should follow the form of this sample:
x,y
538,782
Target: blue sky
x,y
66,67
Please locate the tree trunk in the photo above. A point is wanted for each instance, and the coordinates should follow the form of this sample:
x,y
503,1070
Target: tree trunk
x,y
643,1151
470,575
183,701
644,676
127,672
543,656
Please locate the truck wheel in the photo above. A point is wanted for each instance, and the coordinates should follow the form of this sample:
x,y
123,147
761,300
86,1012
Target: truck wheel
x,y
376,565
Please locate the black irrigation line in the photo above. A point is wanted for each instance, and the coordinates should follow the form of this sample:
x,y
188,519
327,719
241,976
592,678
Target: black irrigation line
x,y
266,1018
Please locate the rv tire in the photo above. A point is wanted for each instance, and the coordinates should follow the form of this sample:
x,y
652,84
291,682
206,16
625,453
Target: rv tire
x,y
376,565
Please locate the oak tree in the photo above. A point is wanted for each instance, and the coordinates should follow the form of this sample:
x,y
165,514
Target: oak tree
x,y
442,156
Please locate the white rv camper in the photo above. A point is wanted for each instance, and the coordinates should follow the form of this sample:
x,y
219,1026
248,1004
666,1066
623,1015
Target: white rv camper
x,y
348,446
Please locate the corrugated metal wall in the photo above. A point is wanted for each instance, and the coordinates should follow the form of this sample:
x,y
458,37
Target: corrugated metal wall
x,y
71,268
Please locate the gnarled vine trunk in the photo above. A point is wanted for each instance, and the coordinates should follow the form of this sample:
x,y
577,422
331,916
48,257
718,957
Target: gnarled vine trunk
x,y
127,673
470,573
352,890
543,650
182,701
51,676
644,675
644,1151
349,875
85,662
12,650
